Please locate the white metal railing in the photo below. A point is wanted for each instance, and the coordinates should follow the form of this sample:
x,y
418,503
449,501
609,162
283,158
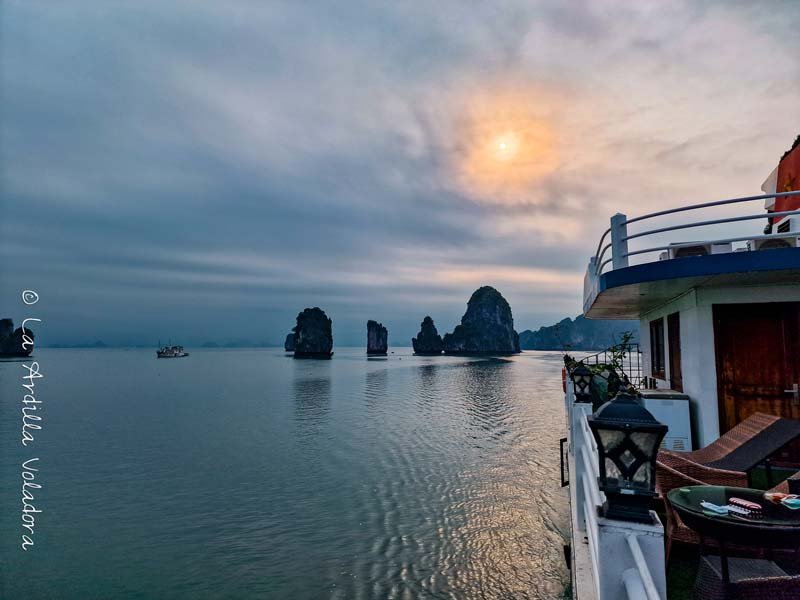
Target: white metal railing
x,y
618,231
642,569
625,558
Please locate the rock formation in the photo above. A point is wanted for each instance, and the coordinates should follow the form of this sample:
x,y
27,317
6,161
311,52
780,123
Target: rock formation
x,y
11,339
376,338
288,344
312,334
428,340
578,334
486,328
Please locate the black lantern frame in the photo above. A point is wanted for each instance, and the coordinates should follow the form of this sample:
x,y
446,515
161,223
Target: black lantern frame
x,y
628,438
582,382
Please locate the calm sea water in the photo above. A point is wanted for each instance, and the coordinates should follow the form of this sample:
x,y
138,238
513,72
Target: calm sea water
x,y
248,474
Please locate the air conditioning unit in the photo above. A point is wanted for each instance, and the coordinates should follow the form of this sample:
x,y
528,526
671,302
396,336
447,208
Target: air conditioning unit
x,y
788,224
699,249
671,409
771,243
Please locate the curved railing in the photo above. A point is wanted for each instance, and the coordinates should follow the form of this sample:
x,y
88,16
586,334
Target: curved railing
x,y
620,237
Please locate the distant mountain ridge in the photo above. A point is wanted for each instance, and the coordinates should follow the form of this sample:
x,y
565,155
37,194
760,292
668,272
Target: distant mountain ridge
x,y
578,334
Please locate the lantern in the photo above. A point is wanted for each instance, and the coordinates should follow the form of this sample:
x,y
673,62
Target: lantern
x,y
582,383
628,438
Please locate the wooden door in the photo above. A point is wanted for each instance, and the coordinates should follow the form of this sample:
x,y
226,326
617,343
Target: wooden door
x,y
674,342
758,358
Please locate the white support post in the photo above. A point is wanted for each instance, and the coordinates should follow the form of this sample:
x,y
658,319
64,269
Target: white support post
x,y
619,245
590,283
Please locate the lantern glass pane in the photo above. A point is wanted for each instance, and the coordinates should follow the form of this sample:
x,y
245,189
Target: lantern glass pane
x,y
610,438
646,441
613,474
643,476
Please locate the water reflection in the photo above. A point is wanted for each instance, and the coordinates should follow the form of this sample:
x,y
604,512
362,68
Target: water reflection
x,y
376,386
427,387
312,396
486,388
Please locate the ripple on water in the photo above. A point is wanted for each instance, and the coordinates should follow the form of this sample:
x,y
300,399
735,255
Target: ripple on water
x,y
247,474
471,507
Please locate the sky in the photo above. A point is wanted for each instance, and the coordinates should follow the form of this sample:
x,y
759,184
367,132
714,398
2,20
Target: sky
x,y
205,170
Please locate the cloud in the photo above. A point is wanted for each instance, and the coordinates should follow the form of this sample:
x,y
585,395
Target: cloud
x,y
175,165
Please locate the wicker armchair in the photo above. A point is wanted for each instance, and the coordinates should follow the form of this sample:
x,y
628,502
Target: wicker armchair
x,y
745,431
676,471
790,559
750,579
687,467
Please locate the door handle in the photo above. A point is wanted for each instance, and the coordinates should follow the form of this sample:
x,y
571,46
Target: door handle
x,y
795,392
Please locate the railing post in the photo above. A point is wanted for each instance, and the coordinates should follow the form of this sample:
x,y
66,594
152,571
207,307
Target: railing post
x,y
590,283
619,245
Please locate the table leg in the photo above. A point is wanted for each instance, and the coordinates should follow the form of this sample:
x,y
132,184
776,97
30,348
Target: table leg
x,y
723,561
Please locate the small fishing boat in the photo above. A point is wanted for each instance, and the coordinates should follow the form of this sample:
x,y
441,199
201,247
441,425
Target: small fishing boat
x,y
171,352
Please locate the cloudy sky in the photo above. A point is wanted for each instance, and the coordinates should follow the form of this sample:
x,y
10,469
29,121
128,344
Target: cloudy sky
x,y
204,170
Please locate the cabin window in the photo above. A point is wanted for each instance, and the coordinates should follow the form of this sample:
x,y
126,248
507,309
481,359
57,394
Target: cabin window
x,y
658,367
674,337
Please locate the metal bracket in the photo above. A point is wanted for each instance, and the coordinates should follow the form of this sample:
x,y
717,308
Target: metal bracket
x,y
795,392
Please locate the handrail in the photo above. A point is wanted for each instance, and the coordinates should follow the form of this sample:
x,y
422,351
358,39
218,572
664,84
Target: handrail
x,y
619,231
631,370
741,238
771,215
602,237
590,516
600,268
670,211
602,254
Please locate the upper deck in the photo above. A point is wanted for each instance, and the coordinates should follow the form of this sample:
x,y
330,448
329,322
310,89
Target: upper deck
x,y
616,289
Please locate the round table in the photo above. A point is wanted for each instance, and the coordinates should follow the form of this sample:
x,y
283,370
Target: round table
x,y
773,527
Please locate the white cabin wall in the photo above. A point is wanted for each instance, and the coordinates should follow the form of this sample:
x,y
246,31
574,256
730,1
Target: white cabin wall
x,y
698,354
699,367
698,361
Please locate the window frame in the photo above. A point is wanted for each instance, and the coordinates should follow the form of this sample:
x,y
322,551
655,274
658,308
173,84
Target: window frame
x,y
658,361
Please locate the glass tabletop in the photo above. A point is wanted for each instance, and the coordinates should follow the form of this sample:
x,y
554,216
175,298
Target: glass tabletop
x,y
771,514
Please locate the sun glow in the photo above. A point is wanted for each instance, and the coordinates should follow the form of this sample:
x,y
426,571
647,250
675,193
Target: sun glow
x,y
507,146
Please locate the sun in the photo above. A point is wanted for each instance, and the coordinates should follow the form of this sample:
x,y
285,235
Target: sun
x,y
507,143
505,147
